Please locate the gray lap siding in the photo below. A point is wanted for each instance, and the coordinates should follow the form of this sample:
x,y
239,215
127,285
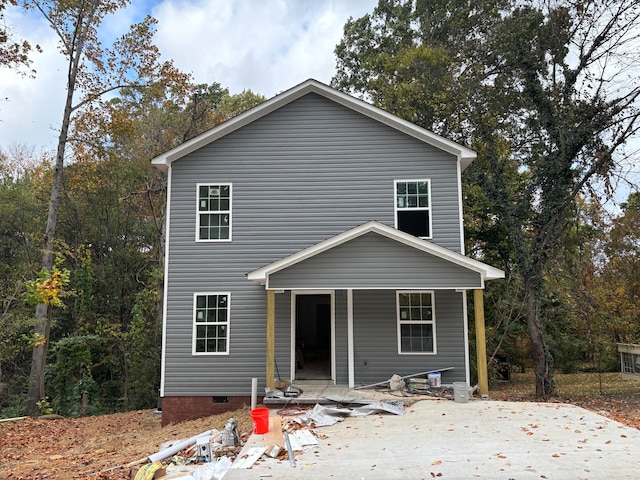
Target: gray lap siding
x,y
376,355
299,175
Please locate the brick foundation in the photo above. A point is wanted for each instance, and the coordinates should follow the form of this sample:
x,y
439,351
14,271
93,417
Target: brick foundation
x,y
179,409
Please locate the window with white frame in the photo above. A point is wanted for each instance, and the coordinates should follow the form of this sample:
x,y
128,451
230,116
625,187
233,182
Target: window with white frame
x,y
214,212
416,322
413,207
211,323
630,363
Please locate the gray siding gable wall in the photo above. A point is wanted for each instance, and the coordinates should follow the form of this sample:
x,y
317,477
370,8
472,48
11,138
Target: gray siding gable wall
x,y
375,261
301,174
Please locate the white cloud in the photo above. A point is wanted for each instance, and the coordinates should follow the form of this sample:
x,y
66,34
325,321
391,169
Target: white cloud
x,y
264,45
31,108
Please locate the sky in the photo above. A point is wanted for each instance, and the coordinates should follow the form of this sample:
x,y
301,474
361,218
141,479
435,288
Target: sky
x,y
266,46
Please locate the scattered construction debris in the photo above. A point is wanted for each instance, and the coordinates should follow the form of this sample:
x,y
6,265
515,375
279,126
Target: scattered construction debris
x,y
206,456
212,453
298,432
421,374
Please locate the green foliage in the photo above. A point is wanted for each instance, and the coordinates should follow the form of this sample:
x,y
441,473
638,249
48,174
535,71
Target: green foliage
x,y
72,368
45,407
109,218
48,287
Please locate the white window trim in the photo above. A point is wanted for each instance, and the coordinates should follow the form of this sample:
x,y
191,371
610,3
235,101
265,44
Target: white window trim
x,y
429,208
428,322
193,321
198,212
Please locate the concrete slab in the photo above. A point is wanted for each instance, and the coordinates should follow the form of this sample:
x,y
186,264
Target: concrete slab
x,y
478,439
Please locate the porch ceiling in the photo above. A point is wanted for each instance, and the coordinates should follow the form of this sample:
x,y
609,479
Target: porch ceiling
x,y
375,256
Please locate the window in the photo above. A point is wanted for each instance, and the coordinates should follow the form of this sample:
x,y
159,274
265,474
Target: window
x,y
211,323
416,322
630,363
413,207
214,212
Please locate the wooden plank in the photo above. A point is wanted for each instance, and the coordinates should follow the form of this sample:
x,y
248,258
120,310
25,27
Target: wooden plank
x,y
273,439
481,343
271,335
2,420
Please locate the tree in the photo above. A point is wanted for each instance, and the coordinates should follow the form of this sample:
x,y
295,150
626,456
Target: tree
x,y
544,92
13,53
92,71
617,283
20,217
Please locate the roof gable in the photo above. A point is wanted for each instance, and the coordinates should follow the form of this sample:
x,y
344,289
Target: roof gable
x,y
464,155
486,272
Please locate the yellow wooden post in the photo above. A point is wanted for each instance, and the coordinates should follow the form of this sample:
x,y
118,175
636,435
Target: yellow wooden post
x,y
481,342
271,337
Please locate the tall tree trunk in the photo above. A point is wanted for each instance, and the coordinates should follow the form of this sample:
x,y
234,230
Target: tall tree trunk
x,y
542,360
43,314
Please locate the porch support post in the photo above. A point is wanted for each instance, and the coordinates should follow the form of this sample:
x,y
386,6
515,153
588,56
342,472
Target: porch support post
x,y
271,323
481,342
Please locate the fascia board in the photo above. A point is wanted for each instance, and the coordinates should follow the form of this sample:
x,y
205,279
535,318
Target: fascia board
x,y
486,271
464,155
163,161
261,274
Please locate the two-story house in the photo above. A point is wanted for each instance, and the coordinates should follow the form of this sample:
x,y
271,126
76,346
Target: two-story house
x,y
312,237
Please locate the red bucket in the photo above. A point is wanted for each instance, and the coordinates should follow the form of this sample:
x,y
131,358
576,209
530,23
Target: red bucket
x,y
260,418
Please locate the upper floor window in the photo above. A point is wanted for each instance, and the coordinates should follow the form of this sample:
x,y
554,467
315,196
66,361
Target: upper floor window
x,y
416,322
214,212
211,323
413,207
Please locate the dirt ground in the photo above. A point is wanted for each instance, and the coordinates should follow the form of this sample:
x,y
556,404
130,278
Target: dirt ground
x,y
79,448
87,447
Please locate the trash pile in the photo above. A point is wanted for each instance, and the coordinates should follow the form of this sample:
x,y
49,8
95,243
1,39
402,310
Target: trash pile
x,y
207,456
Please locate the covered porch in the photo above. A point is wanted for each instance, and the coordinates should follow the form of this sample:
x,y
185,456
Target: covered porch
x,y
367,274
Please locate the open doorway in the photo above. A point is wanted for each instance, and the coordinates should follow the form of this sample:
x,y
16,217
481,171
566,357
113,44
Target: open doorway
x,y
313,337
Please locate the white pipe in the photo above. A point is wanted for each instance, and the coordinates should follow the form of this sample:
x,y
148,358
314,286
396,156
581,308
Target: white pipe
x,y
254,393
173,449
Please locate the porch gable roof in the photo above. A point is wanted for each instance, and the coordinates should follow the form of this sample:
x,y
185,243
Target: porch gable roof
x,y
471,273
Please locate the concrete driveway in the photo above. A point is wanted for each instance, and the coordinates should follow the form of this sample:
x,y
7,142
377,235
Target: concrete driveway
x,y
478,439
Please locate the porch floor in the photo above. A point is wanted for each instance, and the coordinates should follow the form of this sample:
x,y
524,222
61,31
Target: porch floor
x,y
324,392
